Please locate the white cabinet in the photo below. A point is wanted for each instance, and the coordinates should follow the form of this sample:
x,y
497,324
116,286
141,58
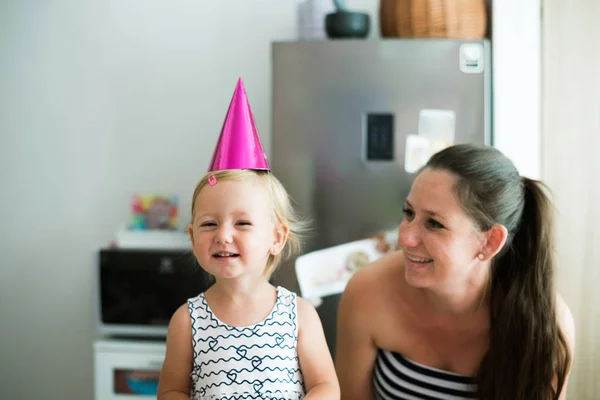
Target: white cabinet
x,y
127,369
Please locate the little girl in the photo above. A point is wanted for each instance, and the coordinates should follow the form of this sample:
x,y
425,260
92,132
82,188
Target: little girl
x,y
244,338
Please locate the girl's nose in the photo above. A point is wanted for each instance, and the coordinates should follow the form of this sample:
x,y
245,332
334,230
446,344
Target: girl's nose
x,y
224,234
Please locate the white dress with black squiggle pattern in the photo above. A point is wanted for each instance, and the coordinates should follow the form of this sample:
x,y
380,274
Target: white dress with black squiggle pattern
x,y
253,362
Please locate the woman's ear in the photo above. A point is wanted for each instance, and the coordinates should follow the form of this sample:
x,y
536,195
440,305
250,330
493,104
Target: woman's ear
x,y
281,235
495,238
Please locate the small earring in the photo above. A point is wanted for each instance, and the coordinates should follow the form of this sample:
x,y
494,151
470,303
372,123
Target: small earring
x,y
480,256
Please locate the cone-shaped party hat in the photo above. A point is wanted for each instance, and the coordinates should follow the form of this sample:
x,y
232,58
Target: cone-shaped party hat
x,y
239,145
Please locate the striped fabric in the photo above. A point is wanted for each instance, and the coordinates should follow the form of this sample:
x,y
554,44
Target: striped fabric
x,y
396,378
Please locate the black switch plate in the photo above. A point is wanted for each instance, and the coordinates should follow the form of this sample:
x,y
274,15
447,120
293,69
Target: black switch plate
x,y
380,137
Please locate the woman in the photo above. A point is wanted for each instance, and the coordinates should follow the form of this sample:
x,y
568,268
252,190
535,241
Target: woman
x,y
467,309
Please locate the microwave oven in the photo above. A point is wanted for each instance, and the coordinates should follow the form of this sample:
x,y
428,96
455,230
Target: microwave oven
x,y
138,290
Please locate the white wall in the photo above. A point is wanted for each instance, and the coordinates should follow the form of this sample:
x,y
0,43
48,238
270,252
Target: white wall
x,y
571,168
97,100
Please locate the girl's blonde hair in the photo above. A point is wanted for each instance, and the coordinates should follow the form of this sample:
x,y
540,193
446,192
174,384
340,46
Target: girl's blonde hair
x,y
283,211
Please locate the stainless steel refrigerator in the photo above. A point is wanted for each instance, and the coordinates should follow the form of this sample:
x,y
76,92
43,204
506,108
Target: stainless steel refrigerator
x,y
342,112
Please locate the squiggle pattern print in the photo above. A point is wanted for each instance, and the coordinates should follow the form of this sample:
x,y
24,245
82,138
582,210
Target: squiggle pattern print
x,y
253,362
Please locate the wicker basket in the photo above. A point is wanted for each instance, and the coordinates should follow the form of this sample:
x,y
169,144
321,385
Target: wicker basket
x,y
457,19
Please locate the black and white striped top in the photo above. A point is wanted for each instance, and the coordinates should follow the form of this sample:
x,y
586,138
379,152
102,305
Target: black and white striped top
x,y
397,378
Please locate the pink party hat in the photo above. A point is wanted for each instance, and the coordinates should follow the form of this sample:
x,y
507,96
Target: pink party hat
x,y
239,145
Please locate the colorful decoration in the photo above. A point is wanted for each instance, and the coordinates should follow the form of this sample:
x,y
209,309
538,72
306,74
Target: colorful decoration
x,y
151,211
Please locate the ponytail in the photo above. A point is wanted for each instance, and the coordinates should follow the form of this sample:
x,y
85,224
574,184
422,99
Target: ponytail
x,y
528,356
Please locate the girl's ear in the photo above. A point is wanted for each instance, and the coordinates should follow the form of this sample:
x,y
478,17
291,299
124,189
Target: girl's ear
x,y
191,233
281,235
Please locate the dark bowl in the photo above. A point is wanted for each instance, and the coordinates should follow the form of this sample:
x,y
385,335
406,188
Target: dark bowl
x,y
347,24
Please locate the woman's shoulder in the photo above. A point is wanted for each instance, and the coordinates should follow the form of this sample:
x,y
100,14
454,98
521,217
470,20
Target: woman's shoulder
x,y
379,270
369,284
565,322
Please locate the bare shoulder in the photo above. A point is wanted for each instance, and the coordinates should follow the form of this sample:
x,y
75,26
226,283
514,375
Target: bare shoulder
x,y
567,326
366,283
565,321
362,314
179,333
177,366
376,286
307,313
314,355
181,320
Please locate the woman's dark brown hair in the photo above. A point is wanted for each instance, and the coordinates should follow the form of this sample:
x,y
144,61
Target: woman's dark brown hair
x,y
528,357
